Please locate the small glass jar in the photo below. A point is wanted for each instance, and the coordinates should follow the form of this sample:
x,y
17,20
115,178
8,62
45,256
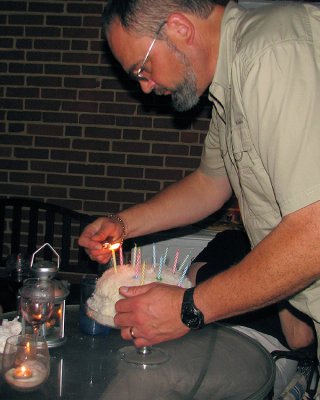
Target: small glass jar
x,y
25,362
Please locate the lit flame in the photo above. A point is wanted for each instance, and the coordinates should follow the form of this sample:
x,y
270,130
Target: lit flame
x,y
22,372
114,246
27,348
37,316
111,246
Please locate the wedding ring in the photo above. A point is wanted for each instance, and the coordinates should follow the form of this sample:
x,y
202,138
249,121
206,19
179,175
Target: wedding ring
x,y
131,333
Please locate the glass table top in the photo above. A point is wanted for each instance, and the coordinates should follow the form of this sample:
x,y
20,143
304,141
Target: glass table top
x,y
214,363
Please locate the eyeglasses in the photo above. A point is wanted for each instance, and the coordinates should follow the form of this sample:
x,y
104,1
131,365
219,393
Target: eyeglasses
x,y
138,75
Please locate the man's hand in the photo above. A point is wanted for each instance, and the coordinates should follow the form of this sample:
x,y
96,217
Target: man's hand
x,y
94,234
152,312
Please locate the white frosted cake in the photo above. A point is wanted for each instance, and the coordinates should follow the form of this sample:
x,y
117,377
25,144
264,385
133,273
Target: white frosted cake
x,y
101,304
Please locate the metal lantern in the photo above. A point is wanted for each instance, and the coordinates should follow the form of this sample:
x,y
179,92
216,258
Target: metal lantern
x,y
54,329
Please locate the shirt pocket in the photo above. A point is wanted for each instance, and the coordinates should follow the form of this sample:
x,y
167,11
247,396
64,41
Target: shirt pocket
x,y
256,186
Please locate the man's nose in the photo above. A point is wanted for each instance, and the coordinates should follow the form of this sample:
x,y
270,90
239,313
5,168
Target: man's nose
x,y
147,86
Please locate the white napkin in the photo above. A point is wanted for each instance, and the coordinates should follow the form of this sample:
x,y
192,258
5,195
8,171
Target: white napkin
x,y
7,329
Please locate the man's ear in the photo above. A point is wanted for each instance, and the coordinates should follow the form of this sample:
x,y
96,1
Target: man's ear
x,y
180,28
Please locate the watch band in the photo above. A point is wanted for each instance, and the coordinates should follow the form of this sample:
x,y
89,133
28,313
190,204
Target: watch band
x,y
188,296
191,316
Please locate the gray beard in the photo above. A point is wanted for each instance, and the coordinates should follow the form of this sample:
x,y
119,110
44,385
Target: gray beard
x,y
185,97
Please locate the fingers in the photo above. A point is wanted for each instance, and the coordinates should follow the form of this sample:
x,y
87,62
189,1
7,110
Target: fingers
x,y
101,259
135,290
97,253
92,235
138,338
133,334
131,321
96,233
152,312
125,307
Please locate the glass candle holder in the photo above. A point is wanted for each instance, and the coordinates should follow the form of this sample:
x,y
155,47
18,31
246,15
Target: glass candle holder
x,y
25,362
88,325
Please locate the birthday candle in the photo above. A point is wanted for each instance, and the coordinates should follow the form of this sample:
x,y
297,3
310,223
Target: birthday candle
x,y
183,274
138,262
143,273
160,269
121,255
114,261
154,255
184,261
165,256
175,262
134,257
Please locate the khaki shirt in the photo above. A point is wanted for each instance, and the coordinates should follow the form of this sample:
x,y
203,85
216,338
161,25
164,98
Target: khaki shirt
x,y
265,127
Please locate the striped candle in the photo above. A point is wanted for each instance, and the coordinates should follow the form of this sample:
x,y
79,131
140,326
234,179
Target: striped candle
x,y
175,262
160,269
114,260
184,261
154,257
134,256
143,273
165,256
121,255
184,274
138,263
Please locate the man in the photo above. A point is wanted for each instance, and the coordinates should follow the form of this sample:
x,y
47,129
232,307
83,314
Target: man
x,y
262,67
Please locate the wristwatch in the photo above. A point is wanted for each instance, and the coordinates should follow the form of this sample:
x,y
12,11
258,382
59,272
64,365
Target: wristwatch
x,y
190,314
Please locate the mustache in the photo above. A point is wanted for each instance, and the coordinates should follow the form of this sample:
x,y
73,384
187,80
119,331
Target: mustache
x,y
160,91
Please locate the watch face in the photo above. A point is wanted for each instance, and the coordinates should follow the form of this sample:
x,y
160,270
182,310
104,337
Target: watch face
x,y
191,316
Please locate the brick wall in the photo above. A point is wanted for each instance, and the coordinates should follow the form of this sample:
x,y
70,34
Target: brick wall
x,y
74,130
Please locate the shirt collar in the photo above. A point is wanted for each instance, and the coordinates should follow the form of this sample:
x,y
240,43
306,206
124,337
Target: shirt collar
x,y
220,83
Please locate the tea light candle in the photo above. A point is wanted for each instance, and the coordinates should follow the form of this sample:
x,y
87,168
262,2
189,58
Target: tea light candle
x,y
28,375
22,372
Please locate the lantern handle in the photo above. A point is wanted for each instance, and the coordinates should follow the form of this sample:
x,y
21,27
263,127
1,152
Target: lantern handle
x,y
40,248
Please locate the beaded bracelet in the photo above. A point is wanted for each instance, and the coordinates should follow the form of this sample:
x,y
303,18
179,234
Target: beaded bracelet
x,y
116,218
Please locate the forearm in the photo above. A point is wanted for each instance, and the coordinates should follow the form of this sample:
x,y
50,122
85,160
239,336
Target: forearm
x,y
180,204
297,331
286,261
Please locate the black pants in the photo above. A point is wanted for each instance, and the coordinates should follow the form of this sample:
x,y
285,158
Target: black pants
x,y
225,250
